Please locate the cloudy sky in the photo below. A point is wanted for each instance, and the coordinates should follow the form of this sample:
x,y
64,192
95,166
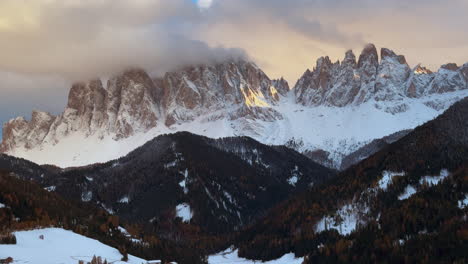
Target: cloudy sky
x,y
45,45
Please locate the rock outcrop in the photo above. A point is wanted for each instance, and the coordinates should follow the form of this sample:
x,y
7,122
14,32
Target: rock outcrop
x,y
391,79
132,102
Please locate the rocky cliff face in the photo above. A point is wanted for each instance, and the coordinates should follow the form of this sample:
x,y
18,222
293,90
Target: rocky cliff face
x,y
237,87
391,79
132,102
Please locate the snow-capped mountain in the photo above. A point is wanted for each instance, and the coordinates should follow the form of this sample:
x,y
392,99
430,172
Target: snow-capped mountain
x,y
337,107
355,83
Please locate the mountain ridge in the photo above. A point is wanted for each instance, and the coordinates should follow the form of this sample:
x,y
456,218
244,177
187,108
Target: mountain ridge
x,y
236,98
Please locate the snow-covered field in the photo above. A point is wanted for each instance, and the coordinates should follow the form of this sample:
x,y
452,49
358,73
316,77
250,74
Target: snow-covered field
x,y
230,256
59,246
338,130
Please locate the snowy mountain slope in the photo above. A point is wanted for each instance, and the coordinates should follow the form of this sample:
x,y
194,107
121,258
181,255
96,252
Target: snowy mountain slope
x,y
337,107
217,185
59,246
338,130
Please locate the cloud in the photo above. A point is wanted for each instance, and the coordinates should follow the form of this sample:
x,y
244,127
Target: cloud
x,y
205,3
88,38
286,37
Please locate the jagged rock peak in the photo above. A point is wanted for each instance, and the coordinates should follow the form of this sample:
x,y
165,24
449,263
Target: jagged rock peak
x,y
40,116
281,85
389,79
368,56
82,94
12,133
19,131
387,53
323,62
421,70
450,67
202,89
350,58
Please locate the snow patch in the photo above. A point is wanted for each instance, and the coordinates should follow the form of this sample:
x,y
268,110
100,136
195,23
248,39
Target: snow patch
x,y
183,211
50,188
170,164
87,196
434,180
295,174
387,179
346,220
462,204
231,256
108,209
129,236
124,199
407,193
183,183
293,180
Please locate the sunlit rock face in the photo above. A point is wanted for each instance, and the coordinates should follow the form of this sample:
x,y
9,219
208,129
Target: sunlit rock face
x,y
238,87
132,102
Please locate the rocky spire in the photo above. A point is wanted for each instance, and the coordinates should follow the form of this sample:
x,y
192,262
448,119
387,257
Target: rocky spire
x,y
349,59
281,85
393,73
368,57
367,72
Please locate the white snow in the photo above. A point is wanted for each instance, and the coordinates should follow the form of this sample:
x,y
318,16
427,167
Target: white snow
x,y
128,235
345,220
124,231
124,199
293,180
183,211
295,174
50,188
59,247
170,164
338,130
87,196
387,179
183,183
108,209
230,256
462,204
407,193
434,180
